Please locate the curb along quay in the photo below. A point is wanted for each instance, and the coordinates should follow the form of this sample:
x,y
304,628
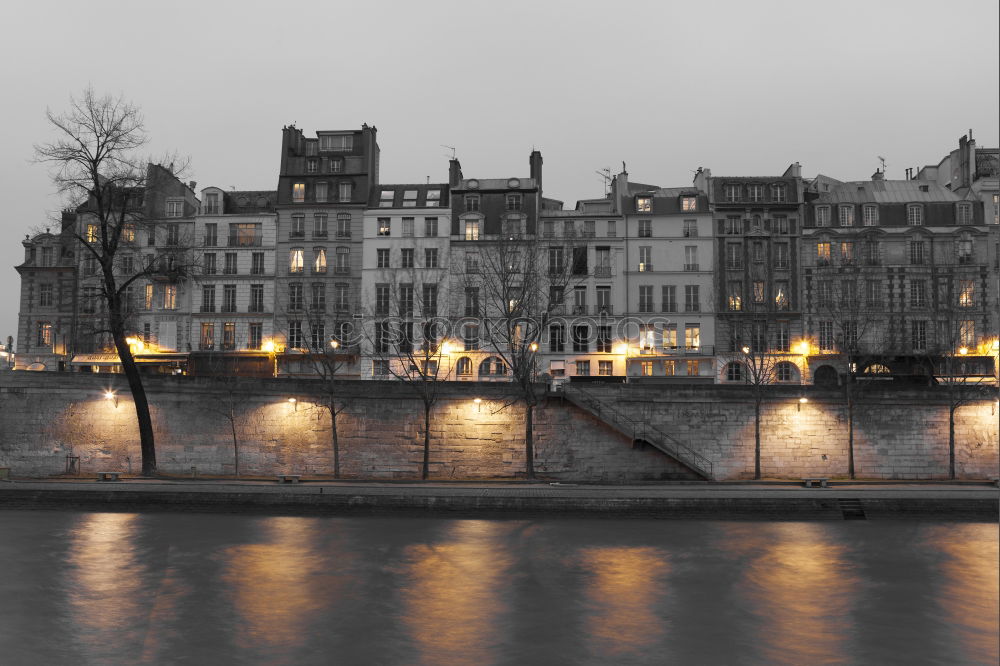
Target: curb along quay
x,y
766,501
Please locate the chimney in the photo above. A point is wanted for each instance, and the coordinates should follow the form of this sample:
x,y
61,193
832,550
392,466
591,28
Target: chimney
x,y
535,164
193,184
878,175
454,173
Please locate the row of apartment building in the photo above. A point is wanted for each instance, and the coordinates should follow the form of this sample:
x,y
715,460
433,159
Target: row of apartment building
x,y
656,283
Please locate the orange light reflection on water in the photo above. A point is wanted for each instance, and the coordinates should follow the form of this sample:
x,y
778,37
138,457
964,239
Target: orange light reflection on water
x,y
624,591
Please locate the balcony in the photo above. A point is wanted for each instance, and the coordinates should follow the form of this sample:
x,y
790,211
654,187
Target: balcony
x,y
344,233
692,307
589,234
691,267
548,234
734,265
645,268
602,271
781,264
579,309
342,270
250,241
604,310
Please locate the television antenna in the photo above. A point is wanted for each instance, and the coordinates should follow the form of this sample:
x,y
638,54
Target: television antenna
x,y
882,160
451,148
605,175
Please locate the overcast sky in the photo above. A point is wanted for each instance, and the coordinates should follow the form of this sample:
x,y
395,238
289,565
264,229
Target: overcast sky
x,y
744,88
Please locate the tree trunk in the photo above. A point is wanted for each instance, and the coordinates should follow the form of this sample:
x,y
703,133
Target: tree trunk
x,y
756,449
146,445
336,440
951,441
236,443
427,441
529,441
850,430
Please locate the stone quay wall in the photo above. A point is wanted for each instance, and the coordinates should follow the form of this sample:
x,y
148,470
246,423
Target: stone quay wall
x,y
899,434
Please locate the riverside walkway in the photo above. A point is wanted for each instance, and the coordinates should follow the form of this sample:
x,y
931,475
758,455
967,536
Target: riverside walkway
x,y
770,500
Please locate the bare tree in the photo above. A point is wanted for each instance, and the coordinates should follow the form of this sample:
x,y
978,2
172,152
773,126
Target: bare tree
x,y
97,167
400,312
513,285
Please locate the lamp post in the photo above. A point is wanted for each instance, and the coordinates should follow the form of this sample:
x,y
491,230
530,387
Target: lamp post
x,y
534,360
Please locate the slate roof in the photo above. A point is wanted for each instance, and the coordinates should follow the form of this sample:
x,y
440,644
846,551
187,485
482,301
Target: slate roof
x,y
888,191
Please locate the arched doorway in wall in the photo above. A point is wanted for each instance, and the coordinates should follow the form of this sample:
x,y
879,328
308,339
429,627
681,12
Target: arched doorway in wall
x,y
825,376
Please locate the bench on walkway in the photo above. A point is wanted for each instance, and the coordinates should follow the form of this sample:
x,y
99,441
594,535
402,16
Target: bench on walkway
x,y
289,478
808,483
108,476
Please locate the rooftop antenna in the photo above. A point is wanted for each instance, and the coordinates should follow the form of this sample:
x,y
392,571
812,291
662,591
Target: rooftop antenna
x,y
451,148
605,175
882,160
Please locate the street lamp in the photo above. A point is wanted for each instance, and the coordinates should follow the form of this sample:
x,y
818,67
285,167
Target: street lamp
x,y
110,395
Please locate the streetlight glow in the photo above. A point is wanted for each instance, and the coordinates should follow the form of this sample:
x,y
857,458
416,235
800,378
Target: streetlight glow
x,y
963,351
334,344
533,347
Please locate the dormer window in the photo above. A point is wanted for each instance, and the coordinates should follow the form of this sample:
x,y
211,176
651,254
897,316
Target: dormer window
x,y
689,204
336,142
311,165
778,192
870,214
822,216
311,147
644,204
298,192
755,192
385,199
433,198
409,198
513,202
211,206
914,214
846,215
336,165
732,193
345,191
963,213
175,208
471,203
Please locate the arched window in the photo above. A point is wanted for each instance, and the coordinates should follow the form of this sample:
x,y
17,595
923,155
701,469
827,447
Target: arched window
x,y
463,366
734,372
492,367
825,376
786,372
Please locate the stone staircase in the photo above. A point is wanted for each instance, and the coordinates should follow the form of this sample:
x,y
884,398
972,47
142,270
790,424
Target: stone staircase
x,y
637,431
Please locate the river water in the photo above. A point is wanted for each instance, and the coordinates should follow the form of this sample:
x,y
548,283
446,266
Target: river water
x,y
161,588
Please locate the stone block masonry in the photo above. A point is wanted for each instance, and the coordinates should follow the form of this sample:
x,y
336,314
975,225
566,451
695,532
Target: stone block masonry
x,y
901,434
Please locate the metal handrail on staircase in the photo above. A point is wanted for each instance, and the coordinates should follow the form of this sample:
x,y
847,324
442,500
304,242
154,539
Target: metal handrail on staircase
x,y
639,430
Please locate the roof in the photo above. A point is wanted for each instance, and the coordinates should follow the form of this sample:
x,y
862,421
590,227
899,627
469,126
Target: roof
x,y
398,195
636,188
888,191
498,183
676,192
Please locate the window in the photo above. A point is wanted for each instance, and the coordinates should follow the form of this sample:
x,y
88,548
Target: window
x,y
581,339
670,336
318,300
343,225
647,337
208,264
846,214
966,293
755,192
430,227
781,255
319,225
644,204
343,260
690,258
580,260
229,335
604,339
645,298
319,260
589,231
341,292
409,199
996,209
405,300
826,336
91,233
602,266
382,257
757,251
256,263
735,299
472,301
873,293
254,335
759,291
229,267
385,198
128,232
822,216
612,229
734,255
298,192
298,229
646,368
645,228
870,253
689,203
732,193
778,192
668,298
256,298
175,208
336,165
781,337
557,338
471,203
207,341
337,142
321,192
966,333
513,202
492,366
45,295
344,189
296,260
918,335
381,299
295,300
918,293
963,250
148,297
208,298
692,297
471,230
917,252
583,368
781,295
380,366
433,199
406,258
870,215
470,337
211,234
914,214
556,296
690,228
430,298
170,297
312,164
733,225
645,258
463,367
384,226
604,300
734,372
580,300
846,252
823,253
781,224
784,372
150,235
605,368
431,257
